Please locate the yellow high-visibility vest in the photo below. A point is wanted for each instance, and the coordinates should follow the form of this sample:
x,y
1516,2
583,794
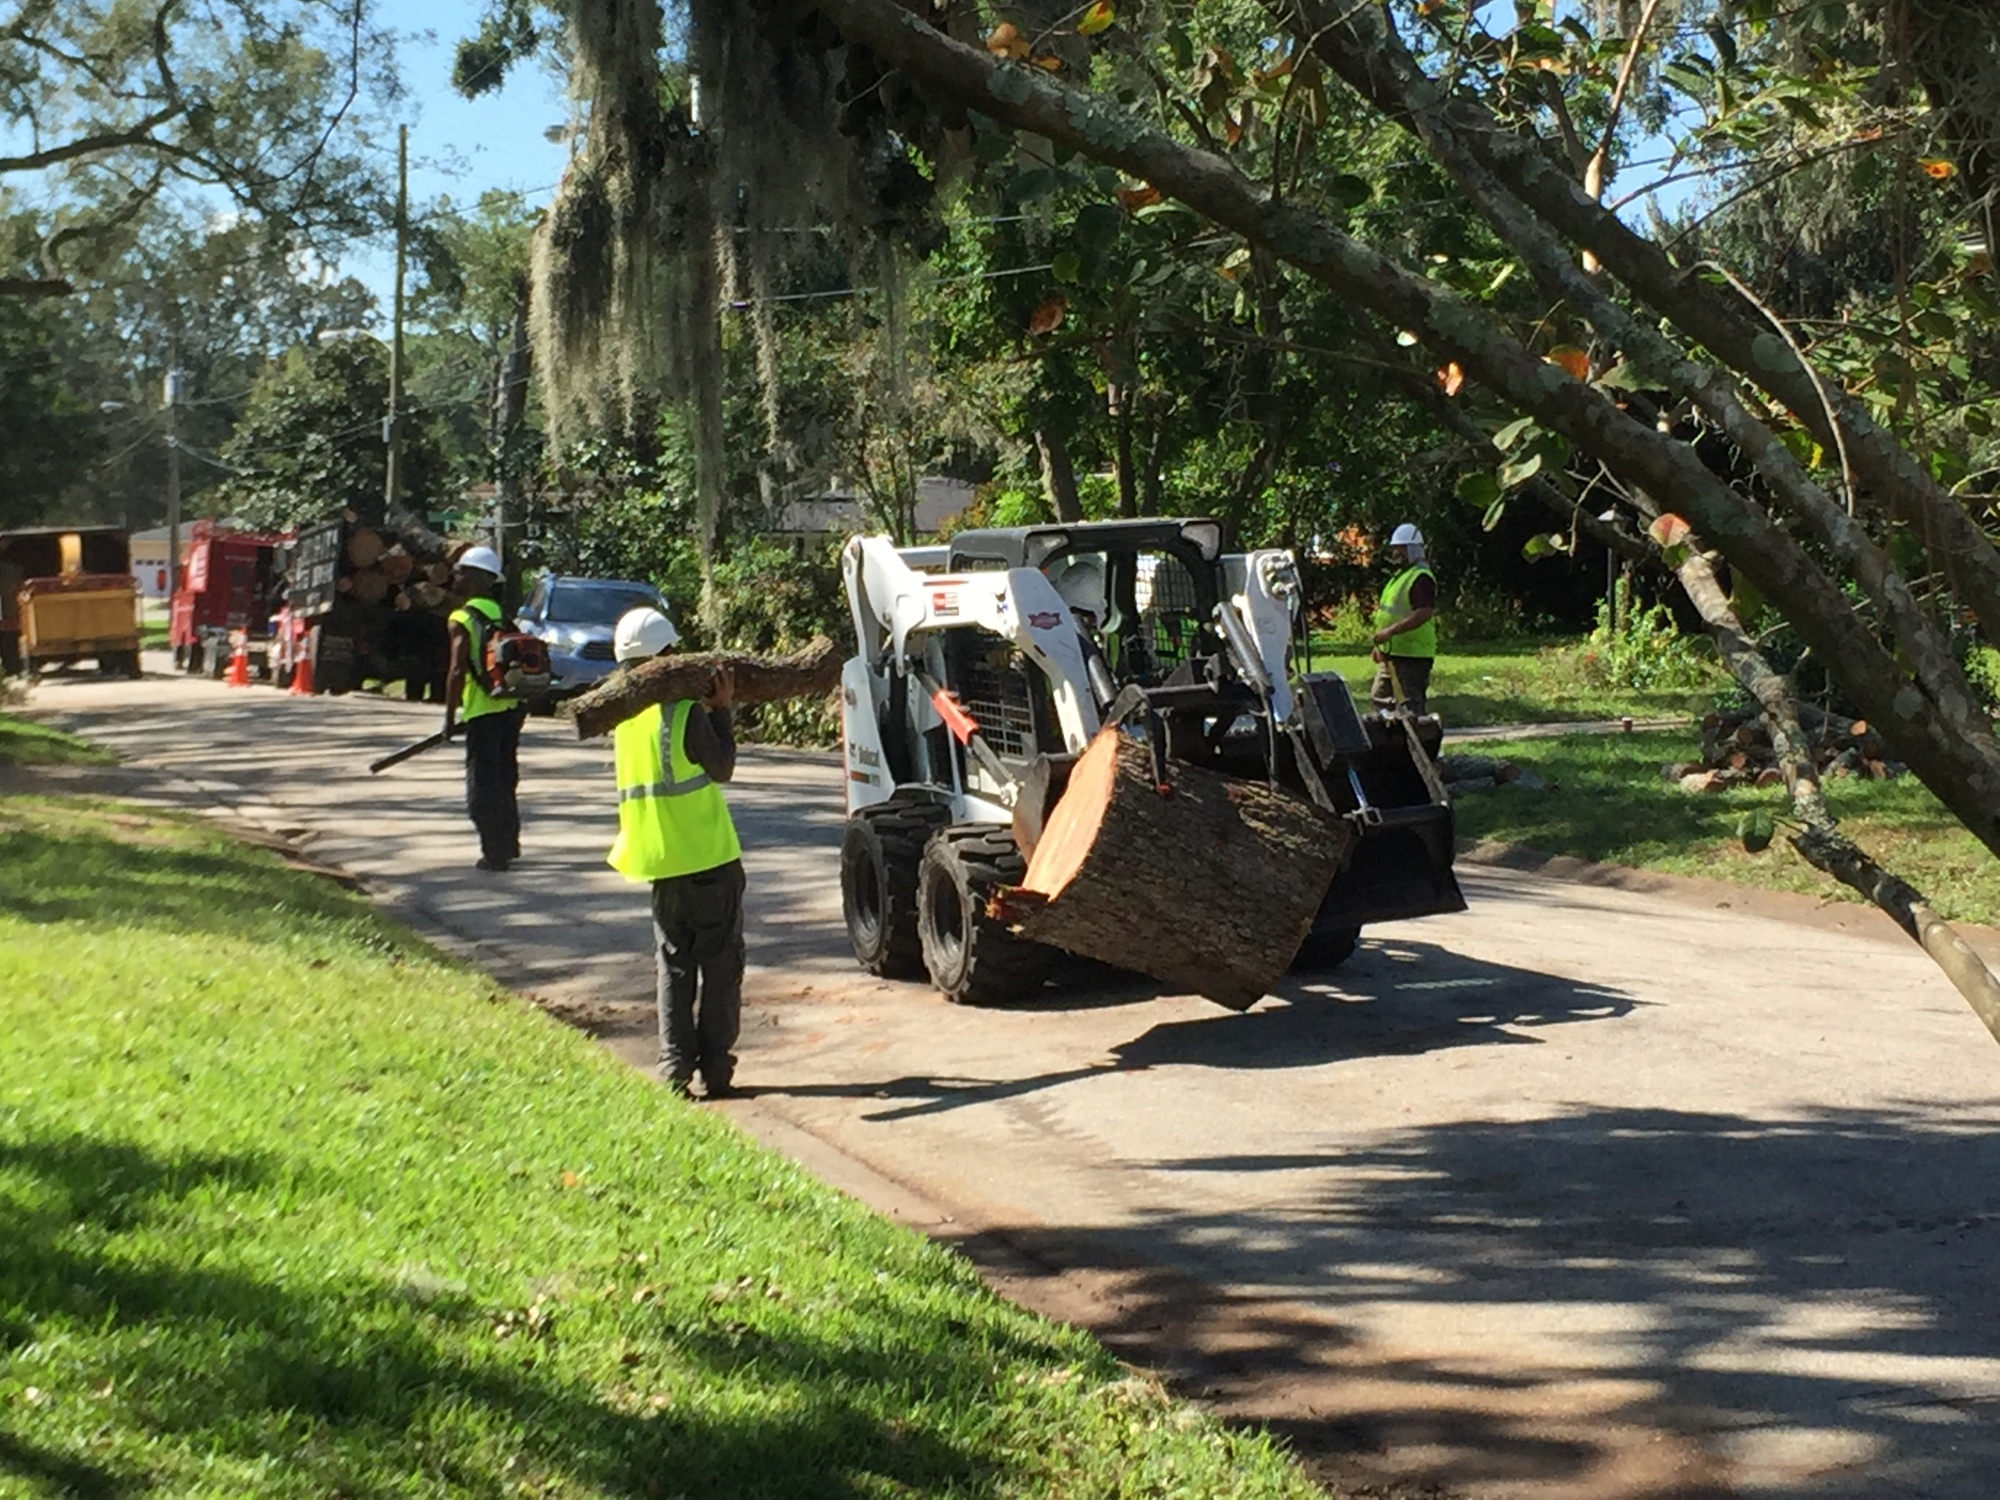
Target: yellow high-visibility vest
x,y
474,702
1395,605
672,819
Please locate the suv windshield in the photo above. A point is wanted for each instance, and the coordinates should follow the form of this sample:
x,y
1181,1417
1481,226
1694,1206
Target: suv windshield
x,y
597,603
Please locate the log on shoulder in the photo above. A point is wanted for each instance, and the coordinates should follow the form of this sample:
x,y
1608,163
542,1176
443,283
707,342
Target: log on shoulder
x,y
1209,888
808,673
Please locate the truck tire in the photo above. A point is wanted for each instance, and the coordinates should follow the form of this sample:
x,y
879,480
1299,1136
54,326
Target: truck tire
x,y
879,855
972,959
1325,949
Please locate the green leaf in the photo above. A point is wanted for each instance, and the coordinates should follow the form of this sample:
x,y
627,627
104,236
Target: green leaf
x,y
1756,829
1509,435
1620,377
1494,513
1066,266
1480,489
1181,45
1537,547
1521,470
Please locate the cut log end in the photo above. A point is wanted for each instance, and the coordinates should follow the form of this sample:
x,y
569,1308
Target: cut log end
x,y
1209,889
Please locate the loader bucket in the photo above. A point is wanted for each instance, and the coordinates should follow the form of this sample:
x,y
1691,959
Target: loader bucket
x,y
1402,863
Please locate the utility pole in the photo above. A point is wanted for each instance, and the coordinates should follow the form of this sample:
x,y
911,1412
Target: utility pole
x,y
173,401
392,435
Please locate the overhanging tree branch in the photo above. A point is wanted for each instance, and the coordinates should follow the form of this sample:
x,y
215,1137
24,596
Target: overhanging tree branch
x,y
1962,768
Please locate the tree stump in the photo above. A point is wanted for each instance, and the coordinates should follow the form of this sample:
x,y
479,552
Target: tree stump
x,y
1210,887
810,673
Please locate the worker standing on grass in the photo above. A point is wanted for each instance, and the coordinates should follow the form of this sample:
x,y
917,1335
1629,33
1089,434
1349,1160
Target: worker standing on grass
x,y
492,725
674,830
1406,627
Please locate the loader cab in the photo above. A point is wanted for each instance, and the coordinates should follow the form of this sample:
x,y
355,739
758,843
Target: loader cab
x,y
1161,579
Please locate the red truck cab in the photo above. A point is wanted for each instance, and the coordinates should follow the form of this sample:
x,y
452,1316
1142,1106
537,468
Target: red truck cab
x,y
229,586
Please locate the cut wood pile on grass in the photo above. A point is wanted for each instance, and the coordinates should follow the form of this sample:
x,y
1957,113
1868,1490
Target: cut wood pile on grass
x,y
294,1206
1465,774
1736,751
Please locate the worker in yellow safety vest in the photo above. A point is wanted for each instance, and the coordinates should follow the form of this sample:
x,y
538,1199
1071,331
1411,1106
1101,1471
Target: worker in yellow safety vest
x,y
1406,628
492,725
674,831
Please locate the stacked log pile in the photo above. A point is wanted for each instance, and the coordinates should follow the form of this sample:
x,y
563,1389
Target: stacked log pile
x,y
1736,751
393,571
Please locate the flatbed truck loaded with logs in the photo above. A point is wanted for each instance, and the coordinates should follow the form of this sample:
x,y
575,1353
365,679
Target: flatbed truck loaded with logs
x,y
367,603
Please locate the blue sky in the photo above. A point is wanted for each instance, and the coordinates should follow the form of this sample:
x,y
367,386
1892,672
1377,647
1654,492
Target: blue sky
x,y
464,147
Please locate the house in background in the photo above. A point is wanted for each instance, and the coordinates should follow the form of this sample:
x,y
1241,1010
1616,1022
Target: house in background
x,y
149,559
843,513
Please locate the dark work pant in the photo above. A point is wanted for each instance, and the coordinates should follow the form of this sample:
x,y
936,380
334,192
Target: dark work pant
x,y
492,772
698,935
1414,673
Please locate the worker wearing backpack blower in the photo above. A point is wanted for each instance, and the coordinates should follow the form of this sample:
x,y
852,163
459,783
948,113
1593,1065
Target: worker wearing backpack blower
x,y
674,832
493,672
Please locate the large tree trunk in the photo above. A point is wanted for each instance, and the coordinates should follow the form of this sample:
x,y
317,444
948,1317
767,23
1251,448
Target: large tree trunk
x,y
1208,884
810,673
1058,476
1956,758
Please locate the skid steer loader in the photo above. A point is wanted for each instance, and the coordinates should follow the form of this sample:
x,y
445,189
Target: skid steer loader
x,y
975,687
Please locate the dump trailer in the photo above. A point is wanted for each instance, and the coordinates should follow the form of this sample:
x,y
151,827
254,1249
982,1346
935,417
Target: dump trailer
x,y
978,688
230,588
67,595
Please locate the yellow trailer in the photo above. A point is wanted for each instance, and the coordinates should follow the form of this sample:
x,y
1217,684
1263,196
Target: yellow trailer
x,y
69,596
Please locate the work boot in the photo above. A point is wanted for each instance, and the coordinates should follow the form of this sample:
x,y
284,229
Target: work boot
x,y
498,866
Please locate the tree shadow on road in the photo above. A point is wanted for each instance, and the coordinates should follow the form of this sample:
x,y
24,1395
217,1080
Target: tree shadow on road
x,y
1811,1297
1394,999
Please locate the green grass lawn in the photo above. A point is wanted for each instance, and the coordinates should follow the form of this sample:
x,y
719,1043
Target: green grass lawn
x,y
1609,802
294,1206
1520,682
23,742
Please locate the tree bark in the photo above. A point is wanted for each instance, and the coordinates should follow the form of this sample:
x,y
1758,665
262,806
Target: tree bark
x,y
810,673
1058,476
1819,842
1209,886
1958,761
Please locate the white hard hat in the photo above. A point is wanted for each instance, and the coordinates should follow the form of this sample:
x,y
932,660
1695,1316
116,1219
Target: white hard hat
x,y
1406,535
1081,585
642,633
483,558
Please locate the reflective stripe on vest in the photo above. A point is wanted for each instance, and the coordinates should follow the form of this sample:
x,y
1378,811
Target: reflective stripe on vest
x,y
474,702
672,819
1395,605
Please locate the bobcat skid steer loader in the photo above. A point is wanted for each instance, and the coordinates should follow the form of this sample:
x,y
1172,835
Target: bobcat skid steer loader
x,y
977,684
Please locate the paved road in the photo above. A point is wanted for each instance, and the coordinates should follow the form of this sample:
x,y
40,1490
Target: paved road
x,y
1584,1192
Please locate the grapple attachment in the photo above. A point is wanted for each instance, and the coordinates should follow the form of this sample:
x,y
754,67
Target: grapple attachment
x,y
1378,774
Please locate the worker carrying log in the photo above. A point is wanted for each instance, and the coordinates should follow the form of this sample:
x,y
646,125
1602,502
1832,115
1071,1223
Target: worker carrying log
x,y
492,721
1405,628
674,831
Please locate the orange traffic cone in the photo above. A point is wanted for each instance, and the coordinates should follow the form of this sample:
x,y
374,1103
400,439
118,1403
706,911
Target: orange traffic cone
x,y
239,666
302,675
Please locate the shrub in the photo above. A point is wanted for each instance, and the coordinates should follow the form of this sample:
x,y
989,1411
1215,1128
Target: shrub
x,y
1645,649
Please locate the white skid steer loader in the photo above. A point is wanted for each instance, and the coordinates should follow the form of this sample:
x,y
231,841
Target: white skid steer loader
x,y
977,684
